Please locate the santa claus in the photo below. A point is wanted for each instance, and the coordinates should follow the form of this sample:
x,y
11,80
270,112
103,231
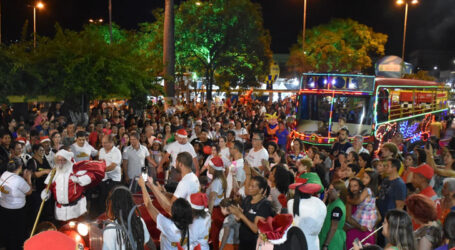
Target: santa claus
x,y
70,182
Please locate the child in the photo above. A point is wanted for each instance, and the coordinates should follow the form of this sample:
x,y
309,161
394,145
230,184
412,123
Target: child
x,y
230,240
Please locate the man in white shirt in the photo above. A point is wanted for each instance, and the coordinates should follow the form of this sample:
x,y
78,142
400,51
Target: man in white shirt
x,y
357,146
187,186
81,149
173,149
134,157
257,153
113,158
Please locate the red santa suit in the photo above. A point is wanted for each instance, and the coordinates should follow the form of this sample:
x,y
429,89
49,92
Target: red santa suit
x,y
70,182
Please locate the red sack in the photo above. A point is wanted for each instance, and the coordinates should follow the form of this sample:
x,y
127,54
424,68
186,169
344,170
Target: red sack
x,y
95,169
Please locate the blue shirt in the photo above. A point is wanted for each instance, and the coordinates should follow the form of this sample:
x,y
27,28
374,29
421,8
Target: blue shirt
x,y
282,137
391,191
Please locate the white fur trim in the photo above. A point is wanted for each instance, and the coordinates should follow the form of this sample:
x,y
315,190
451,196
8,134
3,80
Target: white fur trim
x,y
282,240
65,154
215,167
196,206
181,136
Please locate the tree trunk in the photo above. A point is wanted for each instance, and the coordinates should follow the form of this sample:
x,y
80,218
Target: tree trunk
x,y
169,49
210,79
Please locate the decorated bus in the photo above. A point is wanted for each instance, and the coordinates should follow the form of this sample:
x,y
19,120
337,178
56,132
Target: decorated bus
x,y
376,108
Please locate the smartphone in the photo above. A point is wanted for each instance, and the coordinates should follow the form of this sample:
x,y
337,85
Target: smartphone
x,y
145,176
357,242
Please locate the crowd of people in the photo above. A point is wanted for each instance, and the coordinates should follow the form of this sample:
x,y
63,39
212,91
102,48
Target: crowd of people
x,y
222,176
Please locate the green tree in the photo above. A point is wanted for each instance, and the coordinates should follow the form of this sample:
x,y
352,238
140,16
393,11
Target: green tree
x,y
75,66
222,40
342,45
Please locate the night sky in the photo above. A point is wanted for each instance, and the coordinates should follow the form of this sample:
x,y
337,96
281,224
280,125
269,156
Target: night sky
x,y
431,24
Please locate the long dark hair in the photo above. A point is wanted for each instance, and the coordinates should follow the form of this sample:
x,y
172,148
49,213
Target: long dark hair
x,y
361,186
282,180
182,217
297,196
373,185
400,230
121,203
220,175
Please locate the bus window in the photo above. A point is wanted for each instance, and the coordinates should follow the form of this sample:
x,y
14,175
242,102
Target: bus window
x,y
382,108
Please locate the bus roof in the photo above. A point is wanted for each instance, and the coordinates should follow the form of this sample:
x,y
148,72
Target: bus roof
x,y
405,82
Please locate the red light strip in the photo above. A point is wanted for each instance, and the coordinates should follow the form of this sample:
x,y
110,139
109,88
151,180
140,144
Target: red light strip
x,y
324,91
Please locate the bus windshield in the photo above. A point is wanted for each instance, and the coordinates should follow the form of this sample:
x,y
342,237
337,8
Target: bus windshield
x,y
314,113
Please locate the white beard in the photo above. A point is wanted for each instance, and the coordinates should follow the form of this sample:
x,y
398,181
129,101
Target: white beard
x,y
64,168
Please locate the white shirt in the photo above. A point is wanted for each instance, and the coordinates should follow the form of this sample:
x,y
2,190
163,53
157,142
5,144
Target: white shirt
x,y
225,153
239,133
110,237
217,187
113,156
175,148
362,150
311,217
199,232
255,158
50,158
16,187
136,160
169,233
236,173
187,186
83,153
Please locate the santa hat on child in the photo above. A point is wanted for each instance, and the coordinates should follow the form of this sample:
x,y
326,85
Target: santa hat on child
x,y
44,139
50,240
157,140
181,133
276,228
199,201
65,154
217,163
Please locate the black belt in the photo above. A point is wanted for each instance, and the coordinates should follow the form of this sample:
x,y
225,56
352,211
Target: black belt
x,y
72,203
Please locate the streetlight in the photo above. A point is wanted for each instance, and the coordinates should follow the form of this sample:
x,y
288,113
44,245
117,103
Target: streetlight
x,y
406,2
38,5
304,27
95,21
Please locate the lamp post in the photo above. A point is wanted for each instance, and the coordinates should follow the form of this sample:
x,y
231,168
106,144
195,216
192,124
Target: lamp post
x,y
406,3
304,27
110,21
38,5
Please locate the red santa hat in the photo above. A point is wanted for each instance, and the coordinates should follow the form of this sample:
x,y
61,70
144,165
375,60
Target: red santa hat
x,y
199,201
157,140
276,228
21,140
44,139
216,163
65,154
304,187
231,122
50,240
199,122
181,133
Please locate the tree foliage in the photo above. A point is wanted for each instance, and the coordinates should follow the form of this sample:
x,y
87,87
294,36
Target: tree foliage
x,y
224,41
420,75
342,45
73,65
